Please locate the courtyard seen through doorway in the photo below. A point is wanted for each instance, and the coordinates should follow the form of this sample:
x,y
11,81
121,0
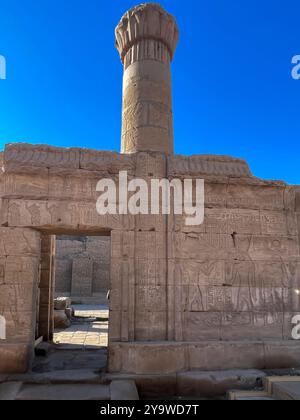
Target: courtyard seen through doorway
x,y
78,310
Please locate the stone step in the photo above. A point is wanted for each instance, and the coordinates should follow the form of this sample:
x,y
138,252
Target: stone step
x,y
283,388
248,396
200,384
256,399
85,392
122,390
287,391
269,381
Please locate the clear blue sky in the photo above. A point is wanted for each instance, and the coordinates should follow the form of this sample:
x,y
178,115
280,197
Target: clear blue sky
x,y
233,90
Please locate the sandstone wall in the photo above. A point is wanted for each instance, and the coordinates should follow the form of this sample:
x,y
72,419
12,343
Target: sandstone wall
x,y
83,267
19,268
217,296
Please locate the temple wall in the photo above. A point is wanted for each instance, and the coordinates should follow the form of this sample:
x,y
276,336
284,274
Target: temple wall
x,y
216,296
19,271
83,251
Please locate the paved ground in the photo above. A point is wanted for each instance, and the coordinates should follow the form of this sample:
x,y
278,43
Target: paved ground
x,y
89,329
81,346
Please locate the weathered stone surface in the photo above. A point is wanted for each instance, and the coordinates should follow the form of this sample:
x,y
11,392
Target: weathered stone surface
x,y
63,269
69,312
19,262
232,355
123,390
62,303
214,296
43,349
9,391
68,249
212,384
20,323
3,212
146,358
67,376
25,185
82,392
64,215
254,197
150,385
146,53
163,28
201,246
19,295
207,164
282,354
82,276
15,358
17,156
61,320
105,161
287,391
19,242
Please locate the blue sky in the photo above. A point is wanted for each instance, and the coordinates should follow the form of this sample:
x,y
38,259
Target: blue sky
x,y
232,87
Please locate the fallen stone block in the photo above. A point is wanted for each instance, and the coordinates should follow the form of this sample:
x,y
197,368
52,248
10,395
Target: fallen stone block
x,y
62,303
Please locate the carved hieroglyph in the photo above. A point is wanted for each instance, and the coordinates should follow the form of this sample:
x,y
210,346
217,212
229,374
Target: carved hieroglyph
x,y
146,39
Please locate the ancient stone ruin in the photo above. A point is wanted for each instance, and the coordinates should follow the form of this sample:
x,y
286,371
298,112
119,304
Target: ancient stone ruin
x,y
77,253
216,296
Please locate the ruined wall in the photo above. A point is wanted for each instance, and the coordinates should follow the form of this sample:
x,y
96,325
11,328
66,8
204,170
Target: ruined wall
x,y
217,296
94,251
221,295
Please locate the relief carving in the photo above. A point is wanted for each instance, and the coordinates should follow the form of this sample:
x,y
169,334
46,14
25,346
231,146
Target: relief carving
x,y
15,214
34,211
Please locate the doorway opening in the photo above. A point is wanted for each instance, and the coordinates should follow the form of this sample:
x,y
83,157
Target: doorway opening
x,y
73,305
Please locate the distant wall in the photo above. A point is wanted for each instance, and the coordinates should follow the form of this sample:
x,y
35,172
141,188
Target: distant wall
x,y
82,266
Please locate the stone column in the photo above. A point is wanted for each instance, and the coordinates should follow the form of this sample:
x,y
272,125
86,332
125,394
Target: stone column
x,y
146,39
